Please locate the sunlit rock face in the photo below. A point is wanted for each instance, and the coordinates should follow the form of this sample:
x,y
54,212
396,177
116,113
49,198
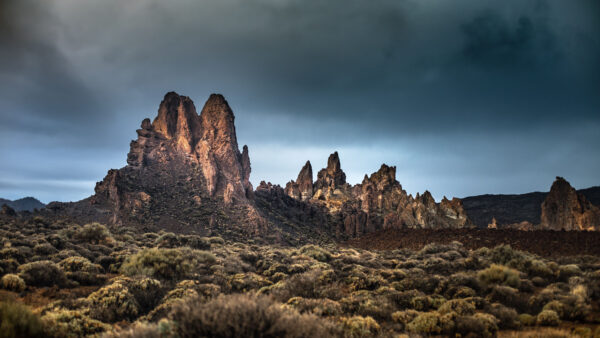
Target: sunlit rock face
x,y
207,140
566,209
379,202
184,169
302,187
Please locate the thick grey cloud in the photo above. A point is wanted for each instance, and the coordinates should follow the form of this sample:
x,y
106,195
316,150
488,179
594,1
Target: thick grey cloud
x,y
463,96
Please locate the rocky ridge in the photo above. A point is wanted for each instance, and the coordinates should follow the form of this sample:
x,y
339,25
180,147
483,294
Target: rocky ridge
x,y
185,173
379,202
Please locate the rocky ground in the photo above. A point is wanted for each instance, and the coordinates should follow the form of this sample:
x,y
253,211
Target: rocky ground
x,y
546,243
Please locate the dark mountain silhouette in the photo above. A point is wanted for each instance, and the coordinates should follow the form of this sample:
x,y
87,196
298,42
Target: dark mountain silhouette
x,y
23,204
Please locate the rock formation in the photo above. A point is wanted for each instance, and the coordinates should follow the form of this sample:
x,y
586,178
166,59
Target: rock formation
x,y
379,202
565,209
302,188
184,172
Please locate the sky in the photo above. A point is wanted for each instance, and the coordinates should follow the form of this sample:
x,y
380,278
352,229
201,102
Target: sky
x,y
464,97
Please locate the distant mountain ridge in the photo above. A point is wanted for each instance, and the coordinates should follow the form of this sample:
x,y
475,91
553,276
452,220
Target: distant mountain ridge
x,y
23,204
514,208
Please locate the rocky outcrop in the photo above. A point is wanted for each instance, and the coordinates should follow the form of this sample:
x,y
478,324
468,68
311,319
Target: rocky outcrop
x,y
514,209
302,187
207,141
6,210
330,178
379,202
184,172
565,209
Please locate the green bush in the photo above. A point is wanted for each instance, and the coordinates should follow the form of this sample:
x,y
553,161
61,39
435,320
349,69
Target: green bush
x,y
315,252
42,273
319,307
358,326
507,317
247,316
81,270
458,306
478,325
169,264
16,321
113,303
431,323
12,282
548,318
500,274
71,324
92,233
162,329
527,319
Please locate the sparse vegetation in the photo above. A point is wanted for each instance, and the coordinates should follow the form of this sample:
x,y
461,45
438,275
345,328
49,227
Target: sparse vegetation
x,y
92,280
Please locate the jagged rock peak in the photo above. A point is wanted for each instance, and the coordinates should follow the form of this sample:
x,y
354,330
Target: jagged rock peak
x,y
333,162
305,175
385,176
332,176
178,136
565,209
177,119
302,188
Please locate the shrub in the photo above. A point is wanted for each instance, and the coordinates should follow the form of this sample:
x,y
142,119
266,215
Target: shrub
x,y
527,319
431,323
404,317
459,306
557,307
315,252
12,282
247,281
112,303
567,271
42,273
508,296
358,326
507,317
92,233
162,329
45,249
538,268
319,307
247,316
166,263
68,323
16,320
548,318
80,269
500,274
479,325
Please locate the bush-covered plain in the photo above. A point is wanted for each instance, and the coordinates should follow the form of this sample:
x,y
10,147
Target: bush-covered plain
x,y
65,280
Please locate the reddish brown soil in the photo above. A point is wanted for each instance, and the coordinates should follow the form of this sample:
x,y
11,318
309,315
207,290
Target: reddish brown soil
x,y
543,243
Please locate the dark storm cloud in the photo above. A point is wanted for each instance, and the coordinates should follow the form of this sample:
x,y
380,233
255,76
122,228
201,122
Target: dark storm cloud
x,y
491,41
446,90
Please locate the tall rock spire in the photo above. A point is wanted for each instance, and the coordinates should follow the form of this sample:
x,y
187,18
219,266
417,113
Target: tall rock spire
x,y
565,209
332,176
194,157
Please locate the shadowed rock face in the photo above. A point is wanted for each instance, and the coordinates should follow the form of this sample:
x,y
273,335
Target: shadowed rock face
x,y
566,209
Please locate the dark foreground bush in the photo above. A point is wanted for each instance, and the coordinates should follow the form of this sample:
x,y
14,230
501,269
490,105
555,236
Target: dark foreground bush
x,y
241,315
16,320
42,273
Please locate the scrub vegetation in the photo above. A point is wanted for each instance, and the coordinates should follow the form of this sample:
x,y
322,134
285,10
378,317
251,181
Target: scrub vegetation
x,y
67,280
